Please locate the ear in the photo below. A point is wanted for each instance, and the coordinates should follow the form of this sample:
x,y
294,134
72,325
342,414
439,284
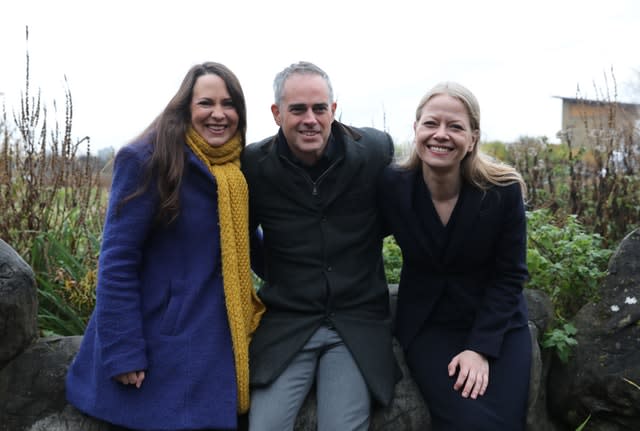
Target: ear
x,y
275,111
475,136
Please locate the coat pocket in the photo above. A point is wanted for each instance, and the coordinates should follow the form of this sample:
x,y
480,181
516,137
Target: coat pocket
x,y
174,306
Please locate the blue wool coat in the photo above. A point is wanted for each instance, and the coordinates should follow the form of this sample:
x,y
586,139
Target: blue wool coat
x,y
159,307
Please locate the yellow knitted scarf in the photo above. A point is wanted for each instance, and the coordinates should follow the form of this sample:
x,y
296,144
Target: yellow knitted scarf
x,y
244,308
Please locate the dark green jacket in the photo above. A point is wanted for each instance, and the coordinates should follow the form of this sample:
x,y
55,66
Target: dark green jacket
x,y
322,256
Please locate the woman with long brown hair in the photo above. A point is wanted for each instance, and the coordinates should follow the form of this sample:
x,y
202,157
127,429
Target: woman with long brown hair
x,y
167,345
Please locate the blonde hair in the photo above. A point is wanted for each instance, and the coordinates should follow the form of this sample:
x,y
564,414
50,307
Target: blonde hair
x,y
477,168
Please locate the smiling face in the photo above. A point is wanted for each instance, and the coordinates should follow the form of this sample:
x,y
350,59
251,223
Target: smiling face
x,y
213,113
305,114
443,134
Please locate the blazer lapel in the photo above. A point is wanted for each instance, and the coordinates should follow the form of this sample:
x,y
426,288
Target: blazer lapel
x,y
467,215
410,191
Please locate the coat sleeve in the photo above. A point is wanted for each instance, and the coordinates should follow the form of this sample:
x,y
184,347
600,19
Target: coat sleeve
x,y
383,184
118,304
257,252
249,169
503,296
390,149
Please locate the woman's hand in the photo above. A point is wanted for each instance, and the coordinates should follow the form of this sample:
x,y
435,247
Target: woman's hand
x,y
473,375
131,378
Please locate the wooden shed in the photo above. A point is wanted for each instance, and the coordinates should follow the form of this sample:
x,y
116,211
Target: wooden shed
x,y
589,122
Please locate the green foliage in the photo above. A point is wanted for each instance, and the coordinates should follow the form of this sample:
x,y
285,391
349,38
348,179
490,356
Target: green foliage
x,y
392,257
561,339
66,276
568,264
565,261
495,149
584,424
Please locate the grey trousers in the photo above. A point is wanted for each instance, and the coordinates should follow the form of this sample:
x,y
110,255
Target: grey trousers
x,y
343,398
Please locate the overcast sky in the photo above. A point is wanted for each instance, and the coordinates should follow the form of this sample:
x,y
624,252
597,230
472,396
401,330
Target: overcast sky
x,y
124,60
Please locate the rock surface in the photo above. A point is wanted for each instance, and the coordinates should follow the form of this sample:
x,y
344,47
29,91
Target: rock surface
x,y
18,304
600,379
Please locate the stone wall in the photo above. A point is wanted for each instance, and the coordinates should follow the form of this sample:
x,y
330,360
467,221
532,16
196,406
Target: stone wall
x,y
600,380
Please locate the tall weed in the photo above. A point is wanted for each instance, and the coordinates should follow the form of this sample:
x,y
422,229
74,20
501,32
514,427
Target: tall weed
x,y
593,175
52,206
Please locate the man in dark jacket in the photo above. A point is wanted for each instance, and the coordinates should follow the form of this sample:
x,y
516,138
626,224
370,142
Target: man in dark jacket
x,y
312,191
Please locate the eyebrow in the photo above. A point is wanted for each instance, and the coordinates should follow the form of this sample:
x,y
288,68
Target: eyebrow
x,y
211,99
296,106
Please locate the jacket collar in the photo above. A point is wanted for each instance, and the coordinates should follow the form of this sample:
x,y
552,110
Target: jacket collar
x,y
350,163
192,159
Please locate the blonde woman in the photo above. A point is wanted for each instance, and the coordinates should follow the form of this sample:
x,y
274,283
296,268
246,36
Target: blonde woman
x,y
459,219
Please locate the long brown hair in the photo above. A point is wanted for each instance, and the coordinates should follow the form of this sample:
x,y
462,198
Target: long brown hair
x,y
167,133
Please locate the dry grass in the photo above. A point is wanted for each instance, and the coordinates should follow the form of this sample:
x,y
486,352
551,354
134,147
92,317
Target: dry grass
x,y
42,175
52,206
595,177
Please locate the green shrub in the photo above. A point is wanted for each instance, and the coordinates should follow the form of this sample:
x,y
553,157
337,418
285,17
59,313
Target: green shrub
x,y
66,279
568,264
561,339
392,257
565,261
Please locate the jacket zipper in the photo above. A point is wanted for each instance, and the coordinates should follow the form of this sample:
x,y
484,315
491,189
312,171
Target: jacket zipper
x,y
305,175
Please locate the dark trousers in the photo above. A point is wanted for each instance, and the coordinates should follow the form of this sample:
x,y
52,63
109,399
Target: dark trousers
x,y
504,404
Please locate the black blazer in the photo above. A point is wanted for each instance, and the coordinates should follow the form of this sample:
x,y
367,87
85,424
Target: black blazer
x,y
476,282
